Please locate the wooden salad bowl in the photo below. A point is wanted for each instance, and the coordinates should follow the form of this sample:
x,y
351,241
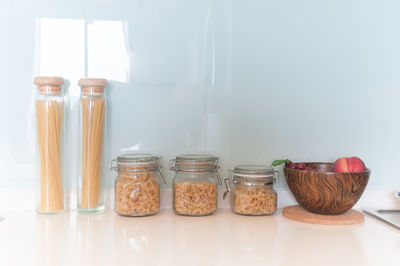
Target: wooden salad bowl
x,y
325,191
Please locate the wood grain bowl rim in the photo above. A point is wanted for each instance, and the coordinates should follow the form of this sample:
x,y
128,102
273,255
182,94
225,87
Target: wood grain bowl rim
x,y
367,170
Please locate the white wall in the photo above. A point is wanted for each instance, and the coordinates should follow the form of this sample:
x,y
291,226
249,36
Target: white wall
x,y
250,81
166,62
316,80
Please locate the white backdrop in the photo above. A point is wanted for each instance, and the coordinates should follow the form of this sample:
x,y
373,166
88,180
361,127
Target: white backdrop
x,y
248,81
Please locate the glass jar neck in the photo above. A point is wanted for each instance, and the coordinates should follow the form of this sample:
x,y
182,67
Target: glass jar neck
x,y
196,174
201,167
135,168
209,177
252,182
49,90
93,91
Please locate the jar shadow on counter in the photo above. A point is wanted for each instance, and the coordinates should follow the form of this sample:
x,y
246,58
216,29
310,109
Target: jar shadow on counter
x,y
141,239
194,239
252,239
53,232
92,239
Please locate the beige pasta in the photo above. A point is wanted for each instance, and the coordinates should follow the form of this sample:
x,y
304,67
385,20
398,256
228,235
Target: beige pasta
x,y
137,194
92,143
252,200
49,117
195,198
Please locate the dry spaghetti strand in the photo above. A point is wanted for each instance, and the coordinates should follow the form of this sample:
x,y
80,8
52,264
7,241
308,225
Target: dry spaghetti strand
x,y
92,143
49,116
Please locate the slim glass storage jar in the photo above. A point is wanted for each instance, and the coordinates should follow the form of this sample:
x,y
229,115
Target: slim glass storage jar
x,y
137,191
195,184
49,111
92,139
251,188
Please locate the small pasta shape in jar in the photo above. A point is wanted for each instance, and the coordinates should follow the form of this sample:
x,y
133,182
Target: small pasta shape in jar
x,y
195,184
251,188
253,200
137,192
195,198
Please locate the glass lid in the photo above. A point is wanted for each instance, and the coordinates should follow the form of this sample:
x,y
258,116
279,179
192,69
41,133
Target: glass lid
x,y
196,157
137,158
254,172
194,162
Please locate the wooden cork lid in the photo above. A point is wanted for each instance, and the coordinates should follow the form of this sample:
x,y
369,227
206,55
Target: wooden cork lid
x,y
48,85
297,213
93,82
92,86
48,81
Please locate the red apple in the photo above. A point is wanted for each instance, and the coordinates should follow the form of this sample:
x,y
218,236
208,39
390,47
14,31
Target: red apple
x,y
349,164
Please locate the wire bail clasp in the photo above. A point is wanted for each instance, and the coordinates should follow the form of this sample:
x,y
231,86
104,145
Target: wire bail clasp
x,y
219,179
112,166
227,182
277,179
171,165
161,174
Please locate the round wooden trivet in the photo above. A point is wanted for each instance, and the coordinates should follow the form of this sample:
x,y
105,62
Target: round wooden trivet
x,y
299,214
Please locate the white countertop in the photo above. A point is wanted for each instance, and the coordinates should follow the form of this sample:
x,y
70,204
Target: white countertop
x,y
224,238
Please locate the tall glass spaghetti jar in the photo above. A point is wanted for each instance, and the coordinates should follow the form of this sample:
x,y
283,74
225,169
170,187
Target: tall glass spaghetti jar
x,y
92,137
49,111
195,184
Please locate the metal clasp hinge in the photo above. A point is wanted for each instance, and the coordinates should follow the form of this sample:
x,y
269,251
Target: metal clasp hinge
x,y
277,179
226,181
161,174
112,167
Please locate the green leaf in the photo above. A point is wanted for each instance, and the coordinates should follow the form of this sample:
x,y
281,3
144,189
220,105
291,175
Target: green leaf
x,y
279,162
